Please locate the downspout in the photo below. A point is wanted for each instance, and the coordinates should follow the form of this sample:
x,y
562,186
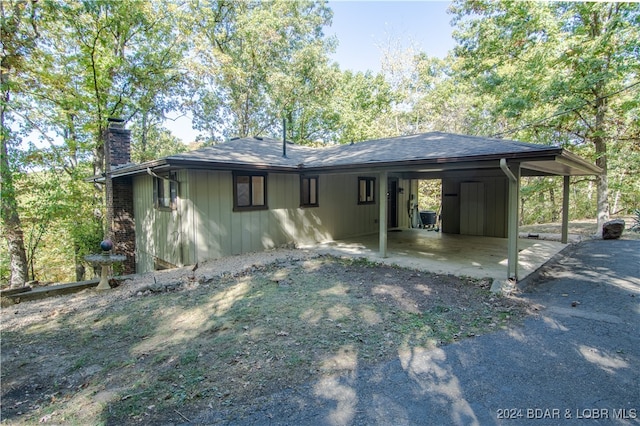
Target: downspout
x,y
507,171
512,231
151,173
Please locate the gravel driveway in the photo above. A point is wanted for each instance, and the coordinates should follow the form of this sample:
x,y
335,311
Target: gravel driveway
x,y
577,362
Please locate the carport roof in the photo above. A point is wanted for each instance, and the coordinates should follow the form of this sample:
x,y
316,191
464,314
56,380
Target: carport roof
x,y
420,153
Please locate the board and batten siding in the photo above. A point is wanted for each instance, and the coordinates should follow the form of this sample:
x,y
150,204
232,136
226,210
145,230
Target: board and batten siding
x,y
489,194
204,225
158,232
404,221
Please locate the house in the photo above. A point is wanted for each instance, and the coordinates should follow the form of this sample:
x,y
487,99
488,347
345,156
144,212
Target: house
x,y
253,194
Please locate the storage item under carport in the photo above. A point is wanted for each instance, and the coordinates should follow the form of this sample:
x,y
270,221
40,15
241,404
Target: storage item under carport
x,y
428,219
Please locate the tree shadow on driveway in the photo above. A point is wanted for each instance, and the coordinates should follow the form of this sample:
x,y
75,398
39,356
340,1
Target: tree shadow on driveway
x,y
578,360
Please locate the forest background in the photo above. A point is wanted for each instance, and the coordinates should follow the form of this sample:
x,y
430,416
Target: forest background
x,y
549,73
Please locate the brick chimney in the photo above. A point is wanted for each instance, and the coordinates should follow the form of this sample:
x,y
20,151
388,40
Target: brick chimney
x,y
119,144
119,195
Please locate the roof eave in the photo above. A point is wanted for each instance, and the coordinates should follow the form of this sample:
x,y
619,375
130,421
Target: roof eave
x,y
134,169
442,162
580,163
169,163
227,166
551,160
564,164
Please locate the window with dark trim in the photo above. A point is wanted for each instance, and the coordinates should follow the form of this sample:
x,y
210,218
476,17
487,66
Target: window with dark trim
x,y
366,190
308,191
249,191
165,192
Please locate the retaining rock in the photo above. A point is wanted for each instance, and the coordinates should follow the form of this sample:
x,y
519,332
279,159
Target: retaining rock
x,y
612,230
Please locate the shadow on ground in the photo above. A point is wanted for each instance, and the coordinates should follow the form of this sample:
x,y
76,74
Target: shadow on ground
x,y
578,360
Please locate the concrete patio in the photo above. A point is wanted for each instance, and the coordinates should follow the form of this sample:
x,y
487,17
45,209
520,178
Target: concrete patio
x,y
461,255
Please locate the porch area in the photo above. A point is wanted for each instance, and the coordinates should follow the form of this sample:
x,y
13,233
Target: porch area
x,y
460,255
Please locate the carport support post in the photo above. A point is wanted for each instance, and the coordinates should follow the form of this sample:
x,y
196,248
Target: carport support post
x,y
514,198
382,217
565,211
512,232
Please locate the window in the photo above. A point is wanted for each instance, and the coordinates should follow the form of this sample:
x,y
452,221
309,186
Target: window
x,y
309,191
366,190
165,192
249,191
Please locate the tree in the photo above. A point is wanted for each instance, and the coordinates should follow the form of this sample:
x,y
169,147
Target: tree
x,y
254,63
448,102
151,141
558,71
103,59
430,94
399,67
358,107
18,33
83,62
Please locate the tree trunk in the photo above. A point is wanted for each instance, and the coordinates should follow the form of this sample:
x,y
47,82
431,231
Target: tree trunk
x,y
603,199
555,217
12,227
10,219
601,161
143,136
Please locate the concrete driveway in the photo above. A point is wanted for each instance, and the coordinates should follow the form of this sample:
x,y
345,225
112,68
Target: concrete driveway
x,y
577,362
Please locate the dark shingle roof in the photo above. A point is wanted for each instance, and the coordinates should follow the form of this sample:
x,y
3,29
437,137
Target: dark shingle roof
x,y
419,149
248,151
434,146
424,146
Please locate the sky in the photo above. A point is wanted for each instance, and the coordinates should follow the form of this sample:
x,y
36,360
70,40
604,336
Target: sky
x,y
363,27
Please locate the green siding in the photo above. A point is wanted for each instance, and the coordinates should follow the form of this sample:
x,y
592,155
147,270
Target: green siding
x,y
204,225
403,203
494,202
158,232
472,206
450,206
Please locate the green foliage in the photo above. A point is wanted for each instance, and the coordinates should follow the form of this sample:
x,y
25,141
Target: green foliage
x,y
256,63
558,72
84,62
356,106
59,222
430,94
541,199
636,221
430,195
18,32
152,141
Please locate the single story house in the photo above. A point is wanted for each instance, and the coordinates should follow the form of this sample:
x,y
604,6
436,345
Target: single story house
x,y
253,194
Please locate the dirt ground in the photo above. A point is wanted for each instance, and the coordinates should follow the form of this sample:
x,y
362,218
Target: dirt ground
x,y
161,347
584,227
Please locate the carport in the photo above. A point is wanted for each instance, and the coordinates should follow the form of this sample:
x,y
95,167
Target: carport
x,y
481,185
